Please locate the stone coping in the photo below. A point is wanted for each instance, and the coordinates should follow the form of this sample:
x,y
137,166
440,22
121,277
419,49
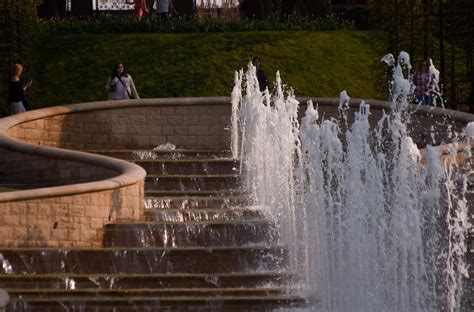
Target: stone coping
x,y
128,173
379,105
457,116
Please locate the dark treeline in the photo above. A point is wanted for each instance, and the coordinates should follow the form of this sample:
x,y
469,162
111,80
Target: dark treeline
x,y
17,21
262,9
439,29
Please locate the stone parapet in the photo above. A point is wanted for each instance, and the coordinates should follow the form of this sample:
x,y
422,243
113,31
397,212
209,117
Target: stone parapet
x,y
68,221
199,123
63,197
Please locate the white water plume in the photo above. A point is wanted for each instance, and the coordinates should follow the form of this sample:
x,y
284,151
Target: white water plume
x,y
373,223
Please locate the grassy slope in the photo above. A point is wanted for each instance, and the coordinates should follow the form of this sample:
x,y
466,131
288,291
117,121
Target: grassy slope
x,y
74,68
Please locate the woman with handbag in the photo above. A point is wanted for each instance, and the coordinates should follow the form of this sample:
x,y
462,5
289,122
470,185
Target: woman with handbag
x,y
120,84
16,90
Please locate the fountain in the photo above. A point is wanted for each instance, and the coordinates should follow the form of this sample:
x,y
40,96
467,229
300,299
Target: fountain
x,y
332,208
373,223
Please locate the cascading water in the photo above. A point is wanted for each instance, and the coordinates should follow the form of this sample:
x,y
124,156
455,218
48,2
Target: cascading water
x,y
373,223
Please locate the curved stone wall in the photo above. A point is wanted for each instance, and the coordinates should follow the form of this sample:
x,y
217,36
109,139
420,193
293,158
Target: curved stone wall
x,y
64,197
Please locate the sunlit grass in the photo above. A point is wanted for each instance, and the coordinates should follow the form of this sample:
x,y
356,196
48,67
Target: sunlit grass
x,y
74,68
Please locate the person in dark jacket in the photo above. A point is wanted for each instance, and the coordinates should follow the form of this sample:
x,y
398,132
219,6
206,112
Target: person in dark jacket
x,y
16,90
262,78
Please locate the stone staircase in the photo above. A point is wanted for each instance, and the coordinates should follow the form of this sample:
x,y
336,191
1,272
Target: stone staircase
x,y
199,248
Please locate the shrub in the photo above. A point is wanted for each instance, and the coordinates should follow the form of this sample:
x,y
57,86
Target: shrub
x,y
112,23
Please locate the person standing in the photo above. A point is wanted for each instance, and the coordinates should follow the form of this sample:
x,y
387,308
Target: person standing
x,y
120,84
16,90
162,8
140,9
262,78
424,84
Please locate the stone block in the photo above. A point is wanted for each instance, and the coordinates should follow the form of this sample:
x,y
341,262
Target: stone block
x,y
39,124
44,208
175,120
80,222
74,235
180,130
90,127
103,117
167,130
206,119
58,234
10,220
53,244
176,140
89,235
150,130
133,129
223,110
190,120
141,141
189,141
156,120
76,210
119,129
96,223
59,209
198,130
182,110
137,119
6,232
18,208
168,110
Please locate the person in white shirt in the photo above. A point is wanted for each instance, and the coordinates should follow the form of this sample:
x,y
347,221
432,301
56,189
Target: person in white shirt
x,y
120,84
162,8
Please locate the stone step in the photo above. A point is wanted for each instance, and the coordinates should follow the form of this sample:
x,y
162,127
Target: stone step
x,y
192,183
27,294
127,304
187,234
155,281
196,202
132,155
210,260
190,167
197,215
193,193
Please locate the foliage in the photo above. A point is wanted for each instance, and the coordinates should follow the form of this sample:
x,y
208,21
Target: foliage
x,y
114,23
16,38
439,29
177,65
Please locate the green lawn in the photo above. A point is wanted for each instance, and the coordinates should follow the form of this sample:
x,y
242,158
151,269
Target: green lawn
x,y
74,68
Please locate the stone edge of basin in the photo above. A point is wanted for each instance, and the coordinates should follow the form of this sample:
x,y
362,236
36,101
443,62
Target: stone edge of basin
x,y
130,173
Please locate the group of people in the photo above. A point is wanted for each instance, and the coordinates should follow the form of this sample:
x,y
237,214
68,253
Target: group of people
x,y
120,85
146,7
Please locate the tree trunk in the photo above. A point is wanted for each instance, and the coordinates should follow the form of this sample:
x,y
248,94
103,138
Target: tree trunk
x,y
412,27
470,58
442,65
426,28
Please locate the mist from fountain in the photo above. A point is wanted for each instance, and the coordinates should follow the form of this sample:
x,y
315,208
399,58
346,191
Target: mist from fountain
x,y
371,224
